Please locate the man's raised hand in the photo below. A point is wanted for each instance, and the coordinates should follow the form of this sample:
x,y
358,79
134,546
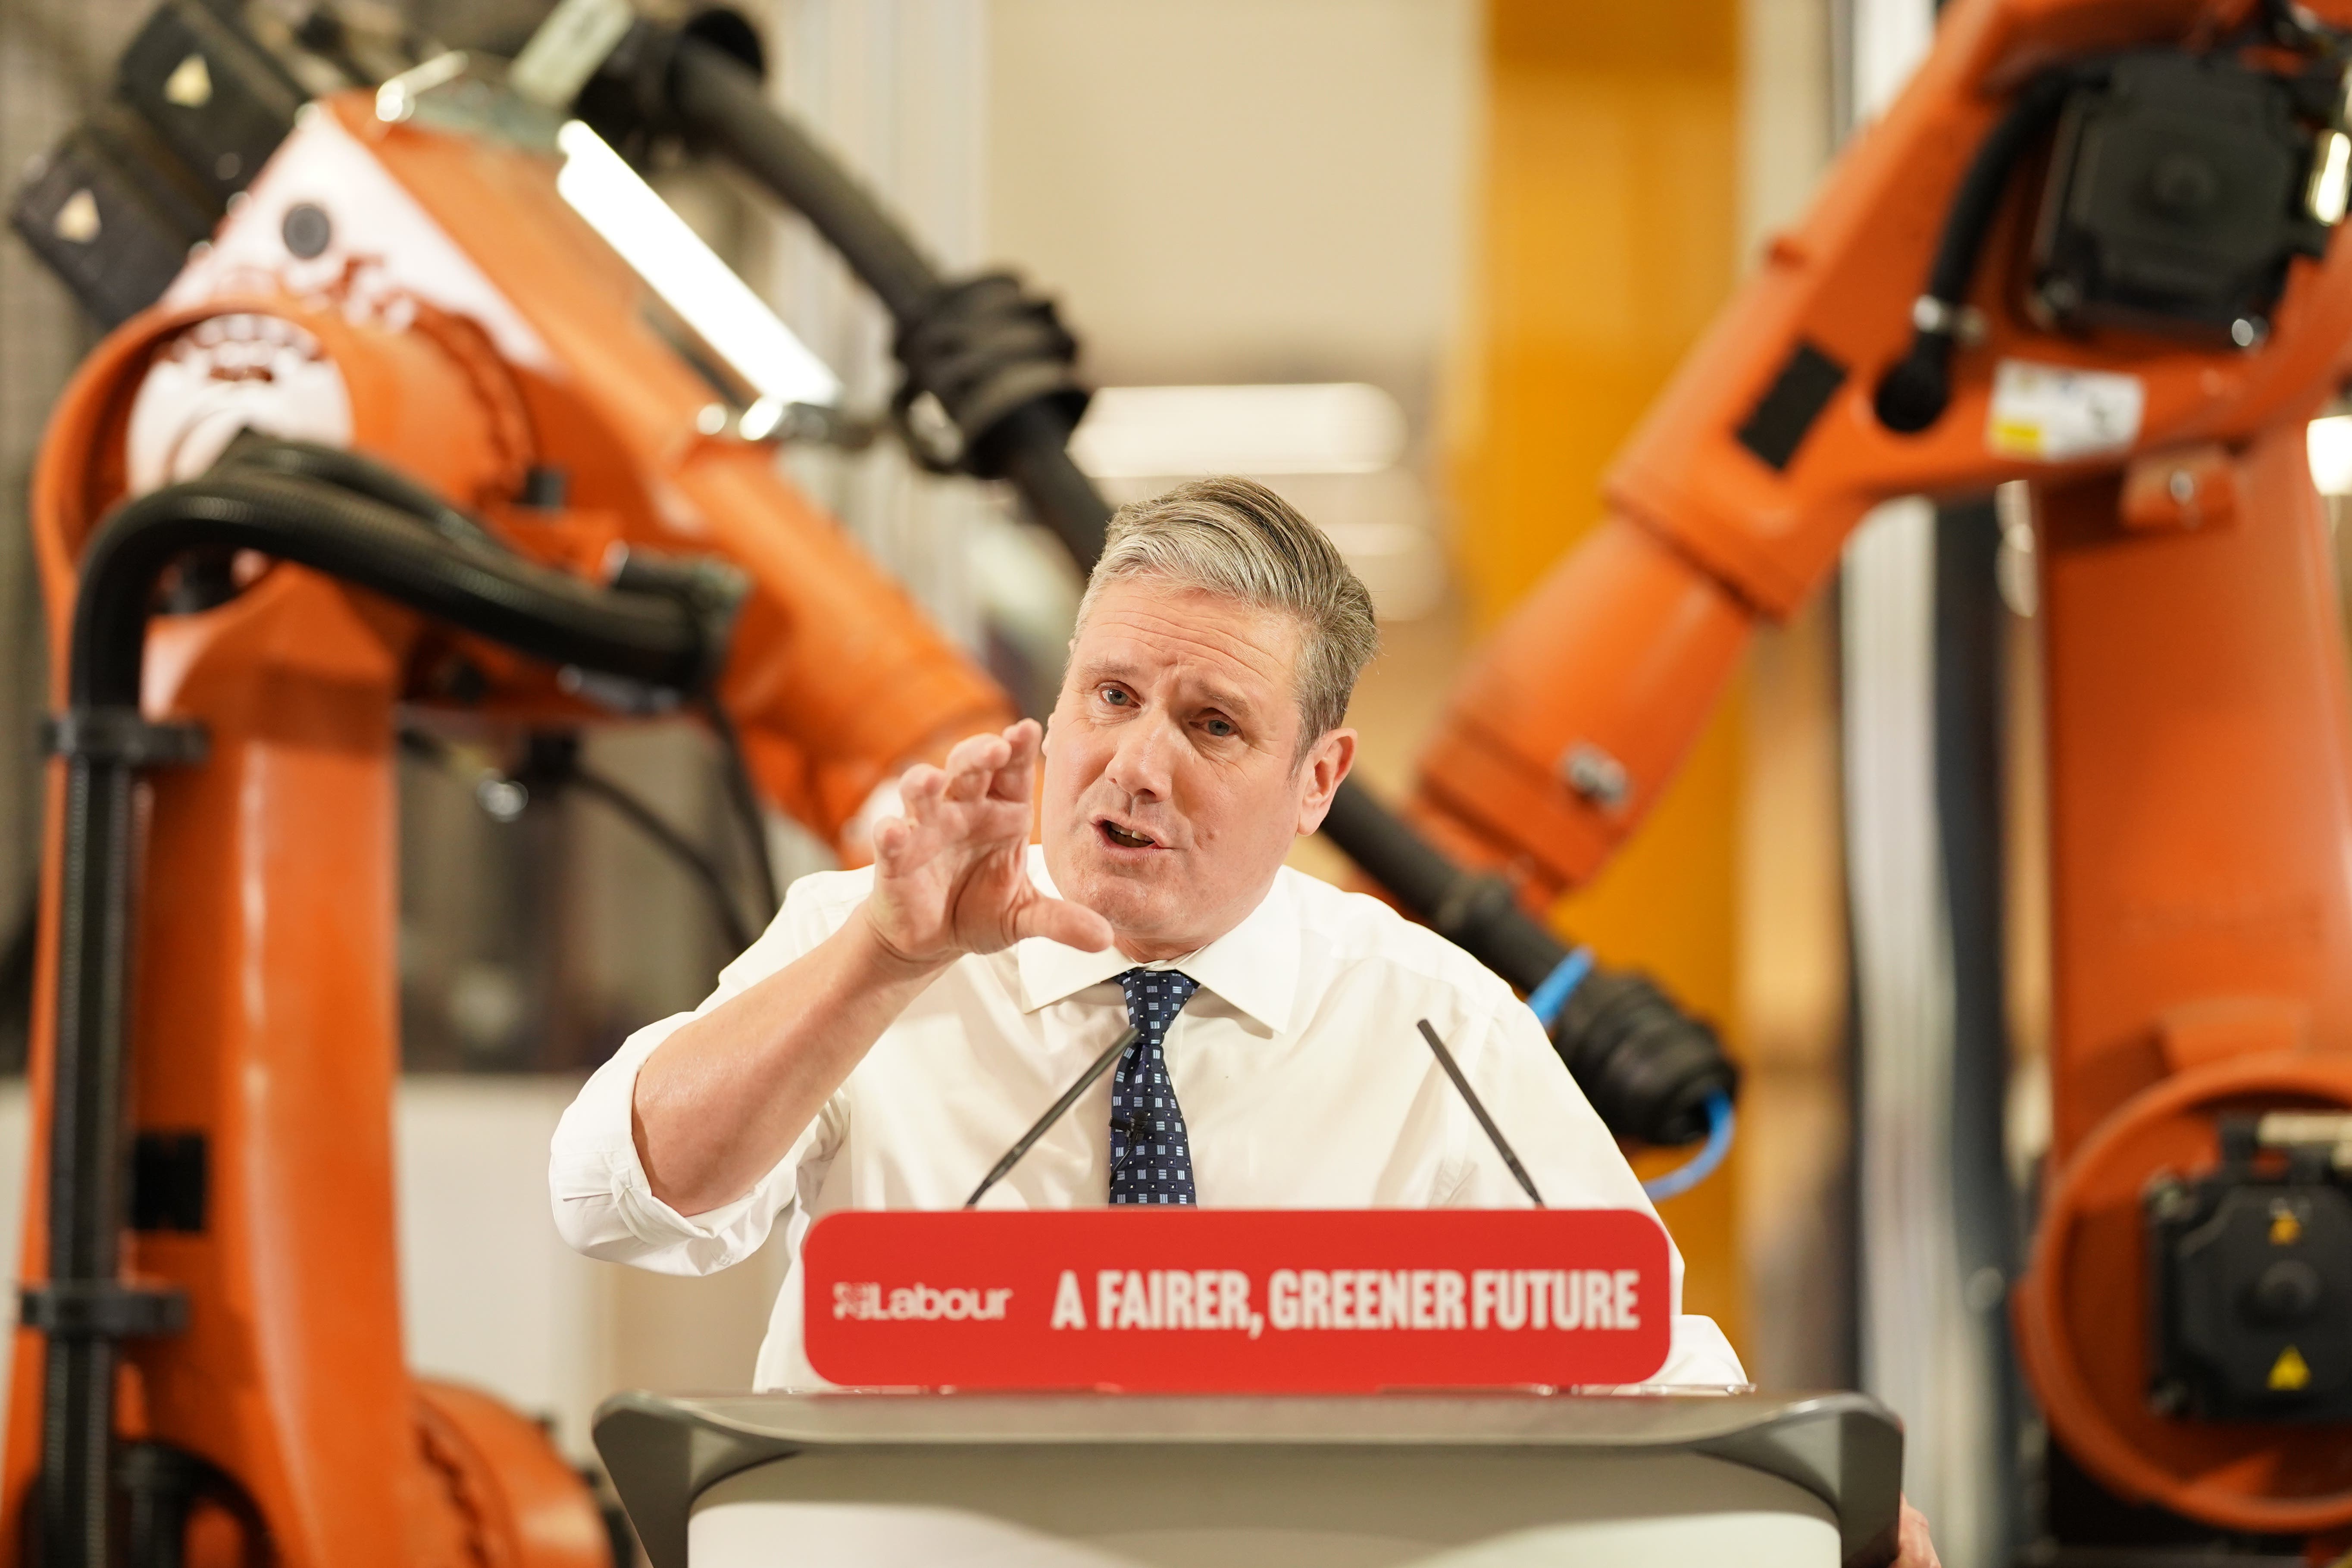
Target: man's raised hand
x,y
951,874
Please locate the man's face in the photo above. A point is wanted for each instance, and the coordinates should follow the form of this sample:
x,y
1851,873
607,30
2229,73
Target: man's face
x,y
1173,780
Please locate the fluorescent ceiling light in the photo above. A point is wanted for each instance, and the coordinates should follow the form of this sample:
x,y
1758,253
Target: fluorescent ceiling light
x,y
693,282
1171,432
2329,442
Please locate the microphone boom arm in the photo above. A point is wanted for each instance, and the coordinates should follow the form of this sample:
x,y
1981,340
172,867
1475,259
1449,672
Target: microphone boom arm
x,y
1054,1113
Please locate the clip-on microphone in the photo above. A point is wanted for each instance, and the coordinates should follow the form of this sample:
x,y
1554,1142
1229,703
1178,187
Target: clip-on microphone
x,y
1053,1114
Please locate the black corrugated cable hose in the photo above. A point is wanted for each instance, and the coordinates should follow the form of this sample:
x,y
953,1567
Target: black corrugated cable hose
x,y
1647,1066
693,583
254,452
534,609
997,360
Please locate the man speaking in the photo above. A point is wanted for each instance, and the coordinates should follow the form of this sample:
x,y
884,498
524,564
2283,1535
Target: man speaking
x,y
898,1028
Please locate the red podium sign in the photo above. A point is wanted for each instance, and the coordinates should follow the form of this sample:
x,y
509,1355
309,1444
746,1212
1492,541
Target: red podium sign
x,y
1238,1301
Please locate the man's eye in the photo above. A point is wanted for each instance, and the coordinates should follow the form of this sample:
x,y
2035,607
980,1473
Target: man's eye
x,y
1221,728
1114,696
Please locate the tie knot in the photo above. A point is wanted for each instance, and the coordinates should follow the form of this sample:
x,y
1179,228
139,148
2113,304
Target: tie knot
x,y
1154,997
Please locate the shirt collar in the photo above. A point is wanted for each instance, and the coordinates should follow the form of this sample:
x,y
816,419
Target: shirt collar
x,y
1254,966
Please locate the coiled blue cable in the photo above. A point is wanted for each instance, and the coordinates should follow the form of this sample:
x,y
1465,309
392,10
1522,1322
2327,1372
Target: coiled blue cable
x,y
1702,1165
1546,1001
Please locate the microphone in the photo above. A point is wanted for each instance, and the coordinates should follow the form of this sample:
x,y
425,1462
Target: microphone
x,y
1117,1049
1061,1107
1494,1133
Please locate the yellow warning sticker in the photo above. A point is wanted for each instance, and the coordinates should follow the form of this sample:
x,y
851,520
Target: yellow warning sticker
x,y
2055,414
2290,1371
2286,1229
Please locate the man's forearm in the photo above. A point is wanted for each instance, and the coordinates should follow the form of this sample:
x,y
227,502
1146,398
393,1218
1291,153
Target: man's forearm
x,y
722,1100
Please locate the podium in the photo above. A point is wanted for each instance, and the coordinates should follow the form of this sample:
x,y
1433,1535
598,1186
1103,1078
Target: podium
x,y
1433,1479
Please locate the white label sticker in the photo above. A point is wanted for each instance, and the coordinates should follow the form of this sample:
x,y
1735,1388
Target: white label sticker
x,y
2050,414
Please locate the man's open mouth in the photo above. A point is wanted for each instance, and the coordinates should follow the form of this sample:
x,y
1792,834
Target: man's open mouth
x,y
1123,837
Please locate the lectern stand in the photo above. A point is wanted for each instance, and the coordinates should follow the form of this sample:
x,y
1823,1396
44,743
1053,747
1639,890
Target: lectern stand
x,y
1489,1480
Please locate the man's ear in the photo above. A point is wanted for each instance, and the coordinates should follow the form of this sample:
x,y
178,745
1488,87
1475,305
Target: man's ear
x,y
1326,765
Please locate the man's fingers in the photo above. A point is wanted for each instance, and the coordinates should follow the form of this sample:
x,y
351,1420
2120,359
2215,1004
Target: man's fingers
x,y
890,837
972,764
1915,1548
1058,919
919,788
1012,780
917,823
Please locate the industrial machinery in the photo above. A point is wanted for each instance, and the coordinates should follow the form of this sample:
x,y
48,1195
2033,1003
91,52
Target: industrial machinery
x,y
2122,212
550,545
420,395
2091,246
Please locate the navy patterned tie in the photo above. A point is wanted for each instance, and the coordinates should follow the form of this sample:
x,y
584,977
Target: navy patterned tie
x,y
1151,1154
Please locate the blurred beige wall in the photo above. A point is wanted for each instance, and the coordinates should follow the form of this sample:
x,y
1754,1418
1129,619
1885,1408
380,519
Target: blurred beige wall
x,y
1239,190
1795,1219
1228,193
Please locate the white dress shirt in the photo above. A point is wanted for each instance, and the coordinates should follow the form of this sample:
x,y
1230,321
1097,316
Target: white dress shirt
x,y
1303,1081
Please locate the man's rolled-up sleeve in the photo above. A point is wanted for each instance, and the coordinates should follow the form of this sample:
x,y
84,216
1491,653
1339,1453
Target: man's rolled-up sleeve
x,y
604,1204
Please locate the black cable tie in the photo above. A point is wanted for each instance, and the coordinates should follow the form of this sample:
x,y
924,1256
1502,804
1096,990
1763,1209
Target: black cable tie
x,y
125,735
104,1309
985,350
711,590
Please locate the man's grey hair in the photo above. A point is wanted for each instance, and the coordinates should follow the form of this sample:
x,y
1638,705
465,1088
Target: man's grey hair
x,y
1237,538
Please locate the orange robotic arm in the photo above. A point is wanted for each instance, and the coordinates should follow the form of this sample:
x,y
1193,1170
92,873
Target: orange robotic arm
x,y
2120,212
427,300
1734,497
544,364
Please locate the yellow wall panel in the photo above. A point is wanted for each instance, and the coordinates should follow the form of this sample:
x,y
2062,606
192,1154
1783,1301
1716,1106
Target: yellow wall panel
x,y
1609,228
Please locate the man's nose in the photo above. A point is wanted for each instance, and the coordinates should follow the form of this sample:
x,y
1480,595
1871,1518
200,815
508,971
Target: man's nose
x,y
1140,763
